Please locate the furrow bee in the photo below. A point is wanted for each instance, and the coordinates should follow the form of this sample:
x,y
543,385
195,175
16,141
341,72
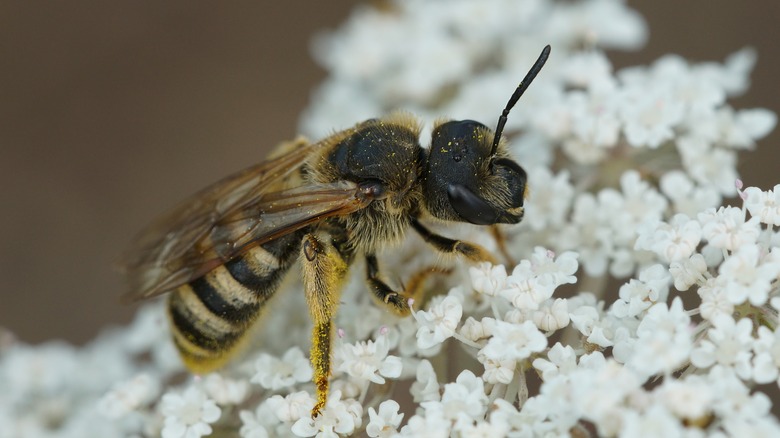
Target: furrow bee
x,y
223,253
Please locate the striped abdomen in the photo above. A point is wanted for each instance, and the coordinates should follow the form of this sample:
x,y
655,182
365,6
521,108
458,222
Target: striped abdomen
x,y
210,316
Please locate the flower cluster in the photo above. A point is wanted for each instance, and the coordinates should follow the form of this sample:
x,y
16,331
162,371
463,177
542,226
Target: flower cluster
x,y
630,300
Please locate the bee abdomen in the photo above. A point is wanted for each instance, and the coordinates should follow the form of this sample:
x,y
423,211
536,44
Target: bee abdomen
x,y
210,315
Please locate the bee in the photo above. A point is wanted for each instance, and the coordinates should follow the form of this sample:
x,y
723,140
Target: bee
x,y
223,253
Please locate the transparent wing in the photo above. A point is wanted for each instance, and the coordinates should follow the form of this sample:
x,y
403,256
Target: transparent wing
x,y
227,218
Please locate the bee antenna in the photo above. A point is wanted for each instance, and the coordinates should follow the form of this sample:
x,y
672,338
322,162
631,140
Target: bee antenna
x,y
529,77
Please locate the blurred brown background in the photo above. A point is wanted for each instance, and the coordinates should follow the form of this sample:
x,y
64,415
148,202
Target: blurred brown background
x,y
111,112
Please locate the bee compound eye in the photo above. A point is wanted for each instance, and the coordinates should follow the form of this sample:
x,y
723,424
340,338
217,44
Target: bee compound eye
x,y
470,206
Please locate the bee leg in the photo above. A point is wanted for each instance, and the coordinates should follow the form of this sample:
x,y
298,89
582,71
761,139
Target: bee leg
x,y
324,270
398,301
443,244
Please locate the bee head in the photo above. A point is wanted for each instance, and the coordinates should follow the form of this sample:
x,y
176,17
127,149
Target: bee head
x,y
469,176
467,181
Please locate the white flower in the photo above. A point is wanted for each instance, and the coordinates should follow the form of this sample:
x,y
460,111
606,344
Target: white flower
x,y
766,363
636,296
714,300
483,429
487,279
562,360
275,374
514,341
736,403
129,396
550,199
439,322
425,387
225,391
687,272
655,421
672,241
552,315
764,205
728,344
598,390
527,292
686,197
431,425
262,423
292,407
747,276
462,401
740,130
650,112
726,228
339,418
690,399
552,269
709,165
497,371
369,361
188,415
602,22
664,340
589,233
474,330
385,422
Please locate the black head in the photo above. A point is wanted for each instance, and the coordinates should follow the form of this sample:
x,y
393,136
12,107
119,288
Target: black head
x,y
469,175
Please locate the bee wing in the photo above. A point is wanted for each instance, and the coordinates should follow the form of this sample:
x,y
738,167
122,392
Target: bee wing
x,y
178,247
266,217
174,233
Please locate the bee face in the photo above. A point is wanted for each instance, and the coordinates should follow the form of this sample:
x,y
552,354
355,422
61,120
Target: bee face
x,y
466,181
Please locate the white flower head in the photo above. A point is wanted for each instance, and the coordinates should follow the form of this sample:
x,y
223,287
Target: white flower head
x,y
550,199
664,340
439,322
552,269
426,386
650,113
714,300
748,276
188,415
487,279
339,418
260,423
385,422
764,205
552,315
514,341
672,241
277,373
369,361
225,391
462,401
687,272
766,362
729,344
690,398
497,371
292,407
687,197
129,396
726,228
638,295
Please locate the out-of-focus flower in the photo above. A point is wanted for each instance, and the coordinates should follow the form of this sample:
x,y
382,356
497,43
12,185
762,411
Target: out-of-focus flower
x,y
277,373
188,415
